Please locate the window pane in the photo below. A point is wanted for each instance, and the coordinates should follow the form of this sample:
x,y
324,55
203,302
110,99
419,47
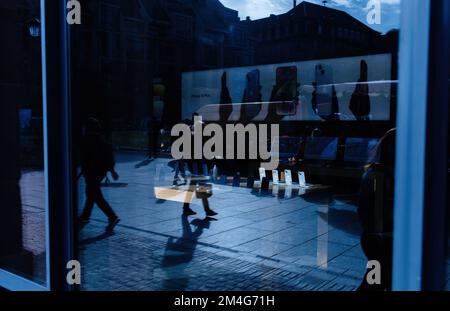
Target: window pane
x,y
22,191
314,86
448,200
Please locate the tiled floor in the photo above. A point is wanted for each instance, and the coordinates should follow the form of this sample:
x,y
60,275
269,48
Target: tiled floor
x,y
270,242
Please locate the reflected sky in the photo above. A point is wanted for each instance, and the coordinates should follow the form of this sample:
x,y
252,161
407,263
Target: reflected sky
x,y
263,8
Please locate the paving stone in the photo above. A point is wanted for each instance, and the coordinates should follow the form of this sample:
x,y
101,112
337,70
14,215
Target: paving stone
x,y
255,243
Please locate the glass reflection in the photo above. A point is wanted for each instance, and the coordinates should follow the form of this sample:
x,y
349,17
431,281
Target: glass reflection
x,y
22,191
322,74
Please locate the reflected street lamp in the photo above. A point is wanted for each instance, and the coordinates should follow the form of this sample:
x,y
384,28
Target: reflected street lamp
x,y
34,27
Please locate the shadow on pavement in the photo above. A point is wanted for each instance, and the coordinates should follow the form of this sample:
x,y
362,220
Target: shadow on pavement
x,y
97,238
180,251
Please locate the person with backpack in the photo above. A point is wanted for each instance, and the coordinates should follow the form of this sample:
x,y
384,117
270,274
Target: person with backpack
x,y
377,235
97,159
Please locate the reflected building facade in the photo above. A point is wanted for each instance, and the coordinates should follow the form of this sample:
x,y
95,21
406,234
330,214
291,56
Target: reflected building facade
x,y
125,47
311,31
131,54
22,231
324,77
125,52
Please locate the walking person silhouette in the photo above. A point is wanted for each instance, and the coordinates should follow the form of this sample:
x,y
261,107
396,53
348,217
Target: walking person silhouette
x,y
197,180
360,100
97,159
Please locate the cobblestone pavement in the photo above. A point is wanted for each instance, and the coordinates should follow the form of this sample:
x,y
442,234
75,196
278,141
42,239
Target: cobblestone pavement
x,y
137,260
271,242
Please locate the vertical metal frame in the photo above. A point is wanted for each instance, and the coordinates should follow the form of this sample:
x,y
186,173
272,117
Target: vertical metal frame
x,y
58,142
411,144
420,237
9,280
57,152
412,167
434,251
45,132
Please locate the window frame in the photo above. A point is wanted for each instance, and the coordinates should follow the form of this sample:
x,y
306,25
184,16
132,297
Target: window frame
x,y
411,148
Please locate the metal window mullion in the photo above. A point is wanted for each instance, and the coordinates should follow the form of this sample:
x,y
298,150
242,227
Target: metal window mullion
x,y
411,144
58,143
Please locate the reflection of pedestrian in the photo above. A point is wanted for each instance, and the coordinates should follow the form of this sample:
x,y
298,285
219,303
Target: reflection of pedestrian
x,y
180,252
360,101
195,184
97,159
154,138
376,240
225,108
156,119
196,180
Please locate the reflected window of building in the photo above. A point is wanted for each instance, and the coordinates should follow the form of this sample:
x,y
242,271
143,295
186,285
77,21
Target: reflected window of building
x,y
23,246
320,80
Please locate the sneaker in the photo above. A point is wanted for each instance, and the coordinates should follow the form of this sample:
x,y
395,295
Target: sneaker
x,y
112,224
189,212
211,213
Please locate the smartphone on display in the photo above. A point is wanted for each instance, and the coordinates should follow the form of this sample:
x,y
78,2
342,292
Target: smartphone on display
x,y
287,90
324,81
262,174
288,177
253,87
275,179
301,179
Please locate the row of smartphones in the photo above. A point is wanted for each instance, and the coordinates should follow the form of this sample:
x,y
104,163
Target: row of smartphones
x,y
356,150
286,89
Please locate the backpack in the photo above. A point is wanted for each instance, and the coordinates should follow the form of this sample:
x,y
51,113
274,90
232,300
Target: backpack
x,y
97,157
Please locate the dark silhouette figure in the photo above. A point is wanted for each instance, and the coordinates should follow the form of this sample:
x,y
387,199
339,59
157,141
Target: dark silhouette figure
x,y
155,122
225,108
97,159
377,221
154,138
360,101
181,251
202,190
197,180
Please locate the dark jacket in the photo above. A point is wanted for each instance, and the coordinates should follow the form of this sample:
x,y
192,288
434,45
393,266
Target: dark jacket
x,y
97,156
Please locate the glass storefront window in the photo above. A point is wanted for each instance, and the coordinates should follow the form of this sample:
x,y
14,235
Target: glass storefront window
x,y
312,87
447,286
23,248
